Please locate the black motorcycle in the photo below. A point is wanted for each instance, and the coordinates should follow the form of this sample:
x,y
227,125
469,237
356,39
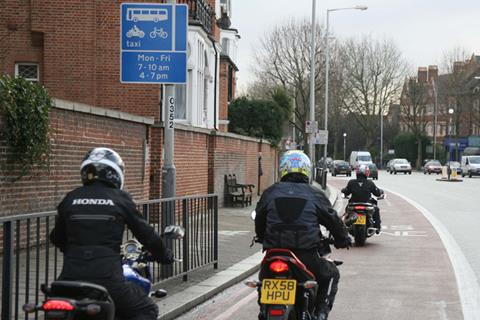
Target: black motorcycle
x,y
358,218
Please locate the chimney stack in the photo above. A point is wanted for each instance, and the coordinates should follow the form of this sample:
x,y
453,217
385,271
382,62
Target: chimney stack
x,y
432,74
422,74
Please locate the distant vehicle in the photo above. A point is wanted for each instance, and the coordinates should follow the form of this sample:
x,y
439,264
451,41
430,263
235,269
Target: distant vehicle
x,y
137,14
329,162
341,167
360,157
432,166
373,171
470,166
387,166
454,165
400,165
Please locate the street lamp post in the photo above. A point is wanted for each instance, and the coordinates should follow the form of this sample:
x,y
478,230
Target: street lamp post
x,y
450,113
435,108
344,146
312,87
381,137
327,61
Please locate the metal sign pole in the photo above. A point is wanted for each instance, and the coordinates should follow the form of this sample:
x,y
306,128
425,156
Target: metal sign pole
x,y
169,170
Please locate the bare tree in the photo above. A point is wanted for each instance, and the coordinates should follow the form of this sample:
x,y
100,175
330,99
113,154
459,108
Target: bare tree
x,y
283,58
415,100
374,72
458,68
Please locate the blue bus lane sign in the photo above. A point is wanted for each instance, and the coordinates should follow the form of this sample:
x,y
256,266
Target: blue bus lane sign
x,y
153,43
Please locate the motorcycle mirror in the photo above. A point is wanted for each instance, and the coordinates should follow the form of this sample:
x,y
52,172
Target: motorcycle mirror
x,y
174,232
160,293
253,214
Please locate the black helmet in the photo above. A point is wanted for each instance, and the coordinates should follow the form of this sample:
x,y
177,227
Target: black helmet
x,y
103,164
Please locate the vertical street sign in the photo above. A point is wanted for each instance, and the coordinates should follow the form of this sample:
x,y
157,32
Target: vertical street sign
x,y
153,46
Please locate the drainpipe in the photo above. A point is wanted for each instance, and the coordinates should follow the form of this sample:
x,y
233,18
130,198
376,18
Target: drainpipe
x,y
215,85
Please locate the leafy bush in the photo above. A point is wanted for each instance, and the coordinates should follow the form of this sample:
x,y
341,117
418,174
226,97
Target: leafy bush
x,y
260,118
26,108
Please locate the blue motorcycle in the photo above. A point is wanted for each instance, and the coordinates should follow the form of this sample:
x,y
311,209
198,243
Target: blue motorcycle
x,y
82,300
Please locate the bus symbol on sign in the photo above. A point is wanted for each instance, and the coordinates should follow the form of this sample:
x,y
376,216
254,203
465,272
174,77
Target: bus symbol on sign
x,y
155,15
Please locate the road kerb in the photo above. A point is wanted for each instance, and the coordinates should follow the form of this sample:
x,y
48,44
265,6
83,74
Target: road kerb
x,y
179,303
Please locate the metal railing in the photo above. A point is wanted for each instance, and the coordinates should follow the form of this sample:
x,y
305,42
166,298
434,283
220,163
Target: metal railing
x,y
29,259
200,12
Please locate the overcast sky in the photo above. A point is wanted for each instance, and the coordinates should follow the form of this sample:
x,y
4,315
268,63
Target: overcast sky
x,y
422,29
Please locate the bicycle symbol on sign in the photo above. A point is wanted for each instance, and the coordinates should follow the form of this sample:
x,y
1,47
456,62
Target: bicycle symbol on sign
x,y
158,32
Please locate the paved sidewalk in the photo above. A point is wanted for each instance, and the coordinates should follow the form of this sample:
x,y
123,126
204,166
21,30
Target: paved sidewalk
x,y
237,260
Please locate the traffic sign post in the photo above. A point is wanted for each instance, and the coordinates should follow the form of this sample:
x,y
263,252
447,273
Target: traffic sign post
x,y
153,43
153,49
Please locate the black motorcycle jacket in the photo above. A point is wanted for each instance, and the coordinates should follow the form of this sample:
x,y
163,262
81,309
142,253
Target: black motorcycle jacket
x,y
361,190
89,231
289,215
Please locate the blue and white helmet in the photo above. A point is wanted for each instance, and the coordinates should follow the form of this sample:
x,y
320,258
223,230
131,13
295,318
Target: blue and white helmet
x,y
295,161
103,164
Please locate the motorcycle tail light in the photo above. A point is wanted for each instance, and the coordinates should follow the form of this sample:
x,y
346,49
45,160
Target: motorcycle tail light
x,y
278,266
276,312
360,207
58,305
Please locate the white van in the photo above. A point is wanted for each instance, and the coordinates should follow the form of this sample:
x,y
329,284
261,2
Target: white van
x,y
470,166
359,157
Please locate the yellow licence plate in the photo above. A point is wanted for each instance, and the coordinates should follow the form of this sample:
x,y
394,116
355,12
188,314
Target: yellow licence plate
x,y
361,219
278,291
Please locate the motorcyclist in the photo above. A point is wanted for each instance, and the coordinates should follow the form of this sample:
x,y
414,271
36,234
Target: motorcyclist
x,y
362,189
89,230
289,214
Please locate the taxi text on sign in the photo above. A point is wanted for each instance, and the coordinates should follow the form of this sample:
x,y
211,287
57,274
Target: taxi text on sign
x,y
153,43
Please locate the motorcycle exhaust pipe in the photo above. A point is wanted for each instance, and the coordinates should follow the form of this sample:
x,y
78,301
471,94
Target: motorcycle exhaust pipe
x,y
371,231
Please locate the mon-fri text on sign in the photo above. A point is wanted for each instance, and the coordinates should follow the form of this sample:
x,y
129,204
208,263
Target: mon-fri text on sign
x,y
153,43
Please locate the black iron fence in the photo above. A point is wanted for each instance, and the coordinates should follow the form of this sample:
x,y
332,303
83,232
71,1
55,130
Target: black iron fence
x,y
28,259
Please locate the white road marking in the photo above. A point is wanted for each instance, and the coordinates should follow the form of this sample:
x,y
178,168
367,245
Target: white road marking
x,y
231,233
468,287
230,311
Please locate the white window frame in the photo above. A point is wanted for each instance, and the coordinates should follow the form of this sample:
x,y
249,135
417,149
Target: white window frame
x,y
18,64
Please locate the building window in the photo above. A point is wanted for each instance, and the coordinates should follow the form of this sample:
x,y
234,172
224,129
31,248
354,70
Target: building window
x,y
28,71
225,46
181,102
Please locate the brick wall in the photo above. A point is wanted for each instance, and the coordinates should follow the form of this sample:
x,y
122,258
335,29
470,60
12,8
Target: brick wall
x,y
202,158
73,134
79,58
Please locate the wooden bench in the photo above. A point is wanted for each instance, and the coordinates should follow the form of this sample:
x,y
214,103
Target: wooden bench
x,y
236,192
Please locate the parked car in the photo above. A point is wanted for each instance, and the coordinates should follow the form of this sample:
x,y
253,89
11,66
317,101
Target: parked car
x,y
432,166
454,165
400,165
341,167
373,171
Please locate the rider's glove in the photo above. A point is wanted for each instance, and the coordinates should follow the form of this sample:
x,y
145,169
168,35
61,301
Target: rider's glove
x,y
167,257
342,243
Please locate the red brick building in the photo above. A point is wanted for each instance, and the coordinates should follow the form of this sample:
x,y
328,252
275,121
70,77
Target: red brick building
x,y
72,48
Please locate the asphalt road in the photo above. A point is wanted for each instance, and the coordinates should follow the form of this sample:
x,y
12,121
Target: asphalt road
x,y
405,273
455,204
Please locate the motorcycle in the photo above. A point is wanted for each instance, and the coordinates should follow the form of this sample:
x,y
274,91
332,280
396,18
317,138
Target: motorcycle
x,y
358,218
287,289
82,300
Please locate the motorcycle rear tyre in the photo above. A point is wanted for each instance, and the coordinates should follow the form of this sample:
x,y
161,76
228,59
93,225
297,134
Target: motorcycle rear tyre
x,y
360,235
